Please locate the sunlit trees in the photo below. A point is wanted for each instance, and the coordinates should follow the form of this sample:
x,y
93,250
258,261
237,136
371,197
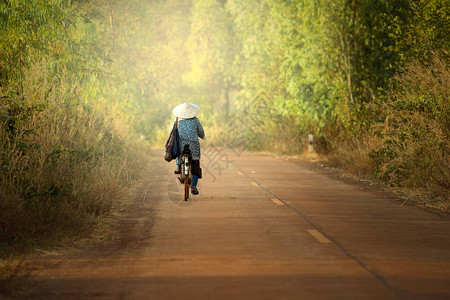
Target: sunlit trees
x,y
211,46
314,61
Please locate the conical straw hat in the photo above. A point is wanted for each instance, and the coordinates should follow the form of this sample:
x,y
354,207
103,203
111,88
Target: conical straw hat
x,y
186,110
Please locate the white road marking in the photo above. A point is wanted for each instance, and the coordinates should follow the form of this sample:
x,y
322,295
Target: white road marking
x,y
276,201
254,184
320,237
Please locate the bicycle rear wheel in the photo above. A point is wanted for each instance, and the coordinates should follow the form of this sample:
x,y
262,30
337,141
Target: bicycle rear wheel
x,y
186,189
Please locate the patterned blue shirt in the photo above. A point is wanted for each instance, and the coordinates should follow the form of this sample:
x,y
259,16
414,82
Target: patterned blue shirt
x,y
190,130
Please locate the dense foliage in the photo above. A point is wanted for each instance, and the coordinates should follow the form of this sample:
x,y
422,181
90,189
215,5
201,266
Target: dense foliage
x,y
63,158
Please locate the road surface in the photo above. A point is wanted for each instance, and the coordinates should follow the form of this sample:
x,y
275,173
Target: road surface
x,y
262,228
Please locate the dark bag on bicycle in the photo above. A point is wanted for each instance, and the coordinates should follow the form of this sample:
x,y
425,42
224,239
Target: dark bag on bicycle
x,y
172,146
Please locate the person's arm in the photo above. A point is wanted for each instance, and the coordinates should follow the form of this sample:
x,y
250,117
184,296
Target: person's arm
x,y
200,131
173,124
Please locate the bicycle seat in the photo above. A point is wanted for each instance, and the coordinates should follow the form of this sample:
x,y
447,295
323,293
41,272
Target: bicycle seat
x,y
186,150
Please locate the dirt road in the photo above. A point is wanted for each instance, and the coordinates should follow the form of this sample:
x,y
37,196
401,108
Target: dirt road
x,y
262,228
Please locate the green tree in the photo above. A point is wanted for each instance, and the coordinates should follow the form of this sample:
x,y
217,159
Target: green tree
x,y
211,50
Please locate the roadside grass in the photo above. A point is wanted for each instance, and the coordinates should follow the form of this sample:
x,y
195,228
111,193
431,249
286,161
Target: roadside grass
x,y
353,155
415,150
408,146
63,164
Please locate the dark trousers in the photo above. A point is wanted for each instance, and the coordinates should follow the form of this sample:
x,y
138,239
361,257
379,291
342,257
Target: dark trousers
x,y
195,168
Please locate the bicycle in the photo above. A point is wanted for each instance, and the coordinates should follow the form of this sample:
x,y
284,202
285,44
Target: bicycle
x,y
186,174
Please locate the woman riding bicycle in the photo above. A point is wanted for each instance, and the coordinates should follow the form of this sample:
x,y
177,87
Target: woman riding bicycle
x,y
190,129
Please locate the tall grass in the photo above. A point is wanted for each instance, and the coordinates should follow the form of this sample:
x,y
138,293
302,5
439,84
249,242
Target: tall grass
x,y
416,131
62,163
408,143
350,152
